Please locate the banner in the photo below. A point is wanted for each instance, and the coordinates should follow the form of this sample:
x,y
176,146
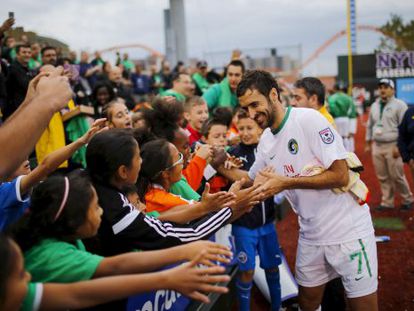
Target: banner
x,y
395,64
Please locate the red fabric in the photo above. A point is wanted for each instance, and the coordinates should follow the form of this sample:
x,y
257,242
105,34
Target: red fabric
x,y
194,134
194,172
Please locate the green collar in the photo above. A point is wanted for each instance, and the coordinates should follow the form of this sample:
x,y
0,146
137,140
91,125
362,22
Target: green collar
x,y
279,128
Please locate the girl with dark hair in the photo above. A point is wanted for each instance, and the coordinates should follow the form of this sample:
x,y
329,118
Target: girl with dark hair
x,y
114,161
17,293
117,114
162,167
102,94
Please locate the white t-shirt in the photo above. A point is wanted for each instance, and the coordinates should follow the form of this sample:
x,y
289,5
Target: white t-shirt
x,y
306,138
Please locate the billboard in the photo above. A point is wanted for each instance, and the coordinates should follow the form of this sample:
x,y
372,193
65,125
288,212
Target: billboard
x,y
405,90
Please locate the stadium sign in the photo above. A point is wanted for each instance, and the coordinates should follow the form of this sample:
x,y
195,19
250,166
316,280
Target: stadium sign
x,y
395,64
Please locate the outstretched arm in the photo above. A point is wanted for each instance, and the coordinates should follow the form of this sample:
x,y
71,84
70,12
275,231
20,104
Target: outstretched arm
x,y
23,129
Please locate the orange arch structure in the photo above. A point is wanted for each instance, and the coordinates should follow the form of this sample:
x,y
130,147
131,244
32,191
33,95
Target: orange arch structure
x,y
152,51
331,40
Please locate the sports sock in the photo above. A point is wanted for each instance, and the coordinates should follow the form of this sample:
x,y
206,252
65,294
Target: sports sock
x,y
273,282
243,294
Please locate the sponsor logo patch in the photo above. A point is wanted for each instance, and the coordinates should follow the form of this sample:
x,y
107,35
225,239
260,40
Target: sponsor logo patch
x,y
327,136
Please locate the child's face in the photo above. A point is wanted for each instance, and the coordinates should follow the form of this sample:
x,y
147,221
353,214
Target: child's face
x,y
132,171
217,136
16,287
181,142
175,171
93,218
249,131
120,117
198,114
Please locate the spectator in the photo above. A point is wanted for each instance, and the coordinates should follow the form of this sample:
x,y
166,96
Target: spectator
x,y
196,113
117,114
182,87
18,80
36,60
141,83
385,116
127,63
200,78
87,70
120,89
97,61
223,94
49,56
9,49
156,82
102,94
73,57
166,75
406,139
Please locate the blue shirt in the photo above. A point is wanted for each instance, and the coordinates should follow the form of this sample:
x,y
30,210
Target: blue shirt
x,y
12,204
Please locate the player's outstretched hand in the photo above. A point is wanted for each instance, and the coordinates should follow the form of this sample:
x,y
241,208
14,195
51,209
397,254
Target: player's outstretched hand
x,y
273,184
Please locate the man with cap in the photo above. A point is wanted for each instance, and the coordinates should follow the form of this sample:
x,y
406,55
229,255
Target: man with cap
x,y
384,118
200,78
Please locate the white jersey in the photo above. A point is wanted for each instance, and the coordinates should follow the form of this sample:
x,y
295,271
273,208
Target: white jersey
x,y
306,138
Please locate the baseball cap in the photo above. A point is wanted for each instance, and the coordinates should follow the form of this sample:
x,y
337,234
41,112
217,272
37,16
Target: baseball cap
x,y
202,64
387,82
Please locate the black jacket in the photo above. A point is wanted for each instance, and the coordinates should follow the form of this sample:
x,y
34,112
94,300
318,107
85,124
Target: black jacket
x,y
406,135
17,83
124,228
263,212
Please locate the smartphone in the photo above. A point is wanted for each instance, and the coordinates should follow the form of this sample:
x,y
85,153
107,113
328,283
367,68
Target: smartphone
x,y
11,14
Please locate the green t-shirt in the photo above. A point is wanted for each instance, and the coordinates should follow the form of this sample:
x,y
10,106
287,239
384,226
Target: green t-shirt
x,y
33,297
220,95
340,105
61,262
201,82
180,97
183,189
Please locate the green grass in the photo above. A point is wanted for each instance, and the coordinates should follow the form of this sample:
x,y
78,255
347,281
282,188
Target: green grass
x,y
392,223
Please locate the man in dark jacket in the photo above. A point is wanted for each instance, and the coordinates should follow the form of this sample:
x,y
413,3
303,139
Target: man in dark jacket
x,y
18,80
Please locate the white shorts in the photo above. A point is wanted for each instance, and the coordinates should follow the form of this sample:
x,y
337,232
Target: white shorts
x,y
355,262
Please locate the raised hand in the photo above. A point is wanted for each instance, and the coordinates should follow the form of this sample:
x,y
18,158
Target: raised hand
x,y
97,127
218,200
247,198
193,281
213,252
261,179
204,151
232,162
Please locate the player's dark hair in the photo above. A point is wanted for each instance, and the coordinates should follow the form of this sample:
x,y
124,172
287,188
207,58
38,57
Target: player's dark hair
x,y
259,80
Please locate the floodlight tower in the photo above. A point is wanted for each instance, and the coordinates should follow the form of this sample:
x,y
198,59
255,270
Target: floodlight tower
x,y
175,32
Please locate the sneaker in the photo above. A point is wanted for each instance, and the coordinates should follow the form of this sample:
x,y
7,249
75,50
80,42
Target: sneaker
x,y
406,207
382,208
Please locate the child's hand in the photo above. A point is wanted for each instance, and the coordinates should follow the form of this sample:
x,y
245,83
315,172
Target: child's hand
x,y
213,252
219,157
97,127
216,201
193,281
204,151
232,162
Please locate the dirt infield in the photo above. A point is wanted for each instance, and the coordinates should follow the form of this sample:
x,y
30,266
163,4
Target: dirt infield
x,y
396,257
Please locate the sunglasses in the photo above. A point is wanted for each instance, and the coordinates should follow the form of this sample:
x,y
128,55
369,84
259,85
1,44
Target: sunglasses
x,y
178,162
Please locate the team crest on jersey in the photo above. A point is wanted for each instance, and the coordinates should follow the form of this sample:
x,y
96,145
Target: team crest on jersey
x,y
293,146
327,136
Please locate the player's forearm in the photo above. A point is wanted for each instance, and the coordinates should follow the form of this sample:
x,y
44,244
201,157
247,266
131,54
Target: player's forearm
x,y
335,177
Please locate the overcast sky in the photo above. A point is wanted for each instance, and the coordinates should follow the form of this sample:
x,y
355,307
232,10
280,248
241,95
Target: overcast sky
x,y
212,25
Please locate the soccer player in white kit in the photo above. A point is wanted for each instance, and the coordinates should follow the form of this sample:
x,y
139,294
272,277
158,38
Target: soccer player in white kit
x,y
336,233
